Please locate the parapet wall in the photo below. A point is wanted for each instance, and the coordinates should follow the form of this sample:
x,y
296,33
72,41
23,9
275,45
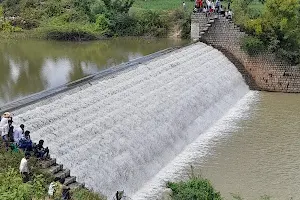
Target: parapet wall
x,y
261,72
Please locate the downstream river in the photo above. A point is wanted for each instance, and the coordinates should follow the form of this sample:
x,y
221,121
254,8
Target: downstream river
x,y
27,67
261,155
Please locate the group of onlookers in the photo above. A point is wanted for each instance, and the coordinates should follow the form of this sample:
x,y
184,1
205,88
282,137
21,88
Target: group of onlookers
x,y
18,139
210,7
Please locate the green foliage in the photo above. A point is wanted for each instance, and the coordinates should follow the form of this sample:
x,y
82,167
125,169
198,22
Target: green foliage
x,y
183,20
252,45
152,23
89,19
194,188
84,194
12,186
102,24
277,25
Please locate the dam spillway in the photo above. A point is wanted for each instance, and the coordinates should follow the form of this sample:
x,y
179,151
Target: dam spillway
x,y
117,133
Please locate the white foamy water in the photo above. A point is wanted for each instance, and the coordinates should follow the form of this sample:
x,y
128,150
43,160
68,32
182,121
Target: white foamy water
x,y
120,132
180,168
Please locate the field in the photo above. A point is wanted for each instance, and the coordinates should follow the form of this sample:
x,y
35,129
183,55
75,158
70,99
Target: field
x,y
161,5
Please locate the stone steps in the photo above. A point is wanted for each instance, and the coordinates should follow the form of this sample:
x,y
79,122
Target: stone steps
x,y
57,170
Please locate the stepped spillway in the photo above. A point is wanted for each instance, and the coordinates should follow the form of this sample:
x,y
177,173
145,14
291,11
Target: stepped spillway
x,y
118,132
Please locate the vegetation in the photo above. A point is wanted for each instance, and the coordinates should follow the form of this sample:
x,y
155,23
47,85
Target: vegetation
x,y
195,188
273,24
87,19
12,186
160,5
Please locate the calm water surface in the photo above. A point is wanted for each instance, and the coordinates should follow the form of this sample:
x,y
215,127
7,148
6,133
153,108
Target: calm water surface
x,y
27,67
262,157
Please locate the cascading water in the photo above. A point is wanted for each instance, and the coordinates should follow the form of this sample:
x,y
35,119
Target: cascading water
x,y
120,132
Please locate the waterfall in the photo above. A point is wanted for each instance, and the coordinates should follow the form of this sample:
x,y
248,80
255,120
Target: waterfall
x,y
121,131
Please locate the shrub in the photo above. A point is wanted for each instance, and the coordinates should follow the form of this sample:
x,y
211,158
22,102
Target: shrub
x,y
122,24
12,186
102,24
195,188
84,194
152,23
58,29
252,45
183,20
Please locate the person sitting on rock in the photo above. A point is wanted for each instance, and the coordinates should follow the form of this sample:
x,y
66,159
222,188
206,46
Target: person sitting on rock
x,y
25,142
40,151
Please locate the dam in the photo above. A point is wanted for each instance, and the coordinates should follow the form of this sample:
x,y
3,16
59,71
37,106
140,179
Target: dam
x,y
118,132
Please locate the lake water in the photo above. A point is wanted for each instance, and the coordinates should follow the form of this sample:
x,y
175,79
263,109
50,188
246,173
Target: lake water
x,y
27,67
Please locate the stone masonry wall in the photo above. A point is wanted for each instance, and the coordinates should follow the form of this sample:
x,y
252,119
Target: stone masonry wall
x,y
261,72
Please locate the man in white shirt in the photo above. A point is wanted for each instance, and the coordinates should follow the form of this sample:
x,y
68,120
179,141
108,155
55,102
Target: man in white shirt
x,y
24,170
4,127
18,133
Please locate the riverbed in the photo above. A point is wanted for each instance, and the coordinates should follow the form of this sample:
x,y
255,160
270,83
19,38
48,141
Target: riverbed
x,y
31,66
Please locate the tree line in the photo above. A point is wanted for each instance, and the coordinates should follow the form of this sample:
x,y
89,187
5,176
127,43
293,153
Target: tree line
x,y
274,27
87,19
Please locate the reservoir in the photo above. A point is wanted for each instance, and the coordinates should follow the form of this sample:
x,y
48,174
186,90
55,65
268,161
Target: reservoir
x,y
30,66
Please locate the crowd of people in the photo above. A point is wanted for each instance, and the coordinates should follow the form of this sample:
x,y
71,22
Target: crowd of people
x,y
18,139
210,7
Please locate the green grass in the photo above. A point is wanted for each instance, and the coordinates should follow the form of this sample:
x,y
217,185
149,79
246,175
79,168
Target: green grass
x,y
11,160
162,5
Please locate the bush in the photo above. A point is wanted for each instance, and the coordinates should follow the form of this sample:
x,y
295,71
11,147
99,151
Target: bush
x,y
123,25
58,29
252,45
152,23
12,186
84,194
195,188
183,20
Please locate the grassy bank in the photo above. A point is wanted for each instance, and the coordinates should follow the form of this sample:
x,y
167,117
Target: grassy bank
x,y
91,19
12,186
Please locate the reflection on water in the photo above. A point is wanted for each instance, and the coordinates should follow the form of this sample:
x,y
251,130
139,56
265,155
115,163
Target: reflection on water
x,y
28,67
262,157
